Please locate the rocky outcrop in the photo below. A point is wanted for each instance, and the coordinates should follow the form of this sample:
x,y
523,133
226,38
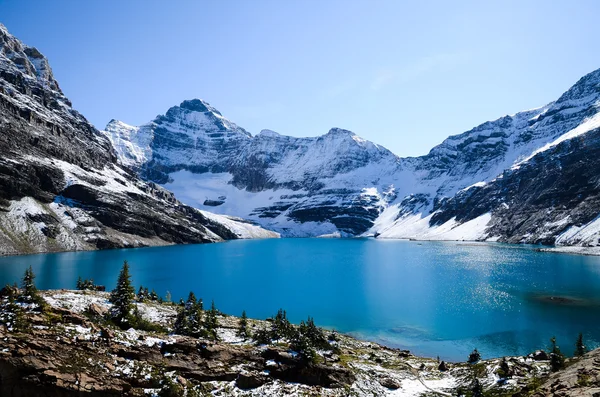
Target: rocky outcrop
x,y
64,353
61,187
581,378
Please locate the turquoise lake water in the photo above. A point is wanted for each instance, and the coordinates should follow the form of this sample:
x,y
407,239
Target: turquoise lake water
x,y
433,298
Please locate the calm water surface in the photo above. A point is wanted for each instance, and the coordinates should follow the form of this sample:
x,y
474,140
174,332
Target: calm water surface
x,y
432,298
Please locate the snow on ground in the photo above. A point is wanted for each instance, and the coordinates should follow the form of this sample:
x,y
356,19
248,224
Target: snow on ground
x,y
584,235
77,301
417,227
242,228
157,313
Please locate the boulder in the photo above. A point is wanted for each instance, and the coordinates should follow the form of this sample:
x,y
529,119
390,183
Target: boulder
x,y
97,310
389,383
251,380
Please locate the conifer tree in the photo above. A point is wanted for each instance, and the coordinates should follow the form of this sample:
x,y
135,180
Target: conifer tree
x,y
142,294
243,331
557,359
122,297
210,322
182,326
580,348
477,388
29,292
281,326
189,317
193,310
315,335
504,370
474,356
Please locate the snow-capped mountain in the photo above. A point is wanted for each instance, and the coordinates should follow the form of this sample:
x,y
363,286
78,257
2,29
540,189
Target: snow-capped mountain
x,y
61,187
300,186
338,183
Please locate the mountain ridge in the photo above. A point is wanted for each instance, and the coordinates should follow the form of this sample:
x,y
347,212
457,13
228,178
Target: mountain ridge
x,y
339,182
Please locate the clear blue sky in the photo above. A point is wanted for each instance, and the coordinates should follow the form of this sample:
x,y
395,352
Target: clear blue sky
x,y
402,74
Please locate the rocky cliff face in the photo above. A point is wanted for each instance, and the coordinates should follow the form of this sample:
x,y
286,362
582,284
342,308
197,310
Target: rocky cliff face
x,y
60,185
473,186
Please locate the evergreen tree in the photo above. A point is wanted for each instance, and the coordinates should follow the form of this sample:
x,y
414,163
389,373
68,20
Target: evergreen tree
x,y
315,335
243,331
122,297
301,344
86,284
189,317
142,294
153,296
12,314
262,336
580,348
193,310
28,284
476,389
182,326
474,356
191,301
281,326
557,359
29,292
210,322
504,370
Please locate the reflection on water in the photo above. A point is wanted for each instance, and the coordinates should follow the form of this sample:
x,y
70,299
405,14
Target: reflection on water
x,y
433,298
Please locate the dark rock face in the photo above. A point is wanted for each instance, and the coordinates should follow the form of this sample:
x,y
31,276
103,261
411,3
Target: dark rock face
x,y
555,190
60,185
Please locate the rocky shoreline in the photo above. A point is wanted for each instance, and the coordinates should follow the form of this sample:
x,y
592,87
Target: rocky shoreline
x,y
70,350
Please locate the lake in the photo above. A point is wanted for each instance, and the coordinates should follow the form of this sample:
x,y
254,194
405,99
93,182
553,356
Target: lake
x,y
433,298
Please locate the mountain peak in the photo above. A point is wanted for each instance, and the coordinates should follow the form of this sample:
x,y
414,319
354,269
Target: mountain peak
x,y
27,60
340,131
586,89
269,133
198,105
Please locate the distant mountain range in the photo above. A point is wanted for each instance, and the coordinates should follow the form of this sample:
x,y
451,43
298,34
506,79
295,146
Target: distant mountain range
x,y
191,175
527,178
61,186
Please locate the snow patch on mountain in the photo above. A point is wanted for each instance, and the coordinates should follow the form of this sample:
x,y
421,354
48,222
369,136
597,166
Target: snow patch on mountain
x,y
417,227
242,228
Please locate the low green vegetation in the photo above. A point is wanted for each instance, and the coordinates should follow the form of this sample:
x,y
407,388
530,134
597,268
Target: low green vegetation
x,y
87,284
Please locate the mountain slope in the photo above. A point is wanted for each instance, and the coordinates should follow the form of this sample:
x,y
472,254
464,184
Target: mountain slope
x,y
340,183
60,185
